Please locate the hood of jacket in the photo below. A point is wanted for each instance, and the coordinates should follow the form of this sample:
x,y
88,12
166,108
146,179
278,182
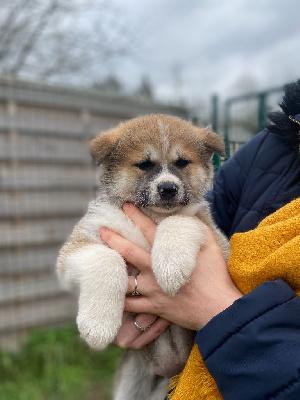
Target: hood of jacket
x,y
287,121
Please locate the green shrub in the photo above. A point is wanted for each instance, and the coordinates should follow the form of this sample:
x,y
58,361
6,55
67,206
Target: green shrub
x,y
57,365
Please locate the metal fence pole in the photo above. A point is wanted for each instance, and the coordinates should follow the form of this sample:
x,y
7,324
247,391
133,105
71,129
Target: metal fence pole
x,y
215,127
226,127
261,117
262,114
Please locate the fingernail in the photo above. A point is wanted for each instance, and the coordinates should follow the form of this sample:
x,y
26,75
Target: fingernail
x,y
127,206
103,231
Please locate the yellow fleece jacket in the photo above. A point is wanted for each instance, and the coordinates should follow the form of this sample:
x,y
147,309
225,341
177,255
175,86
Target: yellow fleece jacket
x,y
269,252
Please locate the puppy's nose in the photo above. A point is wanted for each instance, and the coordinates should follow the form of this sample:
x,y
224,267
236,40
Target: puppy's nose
x,y
167,190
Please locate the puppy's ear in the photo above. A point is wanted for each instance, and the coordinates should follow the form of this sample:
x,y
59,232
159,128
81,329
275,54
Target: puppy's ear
x,y
103,145
212,141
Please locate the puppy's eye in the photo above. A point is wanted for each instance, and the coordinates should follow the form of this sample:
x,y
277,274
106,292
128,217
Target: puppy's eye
x,y
145,165
182,163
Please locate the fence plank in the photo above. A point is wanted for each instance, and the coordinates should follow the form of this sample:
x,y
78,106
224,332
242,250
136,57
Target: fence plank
x,y
33,233
44,204
54,122
45,176
42,119
29,289
35,314
28,260
38,95
31,148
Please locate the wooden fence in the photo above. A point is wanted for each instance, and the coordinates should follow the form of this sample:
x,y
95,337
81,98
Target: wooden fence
x,y
46,181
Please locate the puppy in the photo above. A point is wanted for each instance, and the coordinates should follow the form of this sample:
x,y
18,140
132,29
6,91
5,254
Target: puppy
x,y
163,165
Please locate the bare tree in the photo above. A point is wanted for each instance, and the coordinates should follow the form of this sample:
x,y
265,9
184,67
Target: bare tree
x,y
145,89
59,39
110,84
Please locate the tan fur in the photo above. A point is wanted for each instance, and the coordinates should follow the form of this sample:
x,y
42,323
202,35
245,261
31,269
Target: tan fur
x,y
163,165
137,133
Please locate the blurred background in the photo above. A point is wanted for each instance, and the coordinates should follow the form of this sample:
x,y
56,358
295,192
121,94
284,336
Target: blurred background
x,y
70,69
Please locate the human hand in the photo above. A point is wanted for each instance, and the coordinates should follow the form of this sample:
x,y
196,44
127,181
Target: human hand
x,y
209,291
128,335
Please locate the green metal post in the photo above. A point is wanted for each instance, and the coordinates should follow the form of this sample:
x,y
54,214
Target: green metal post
x,y
262,98
262,111
226,127
214,122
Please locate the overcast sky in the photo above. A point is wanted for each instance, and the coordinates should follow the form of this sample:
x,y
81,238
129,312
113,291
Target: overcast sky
x,y
193,48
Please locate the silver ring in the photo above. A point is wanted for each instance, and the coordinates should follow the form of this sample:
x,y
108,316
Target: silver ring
x,y
139,328
135,292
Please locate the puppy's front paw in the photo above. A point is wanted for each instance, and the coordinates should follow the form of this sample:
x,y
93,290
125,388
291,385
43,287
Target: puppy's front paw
x,y
177,242
102,278
96,328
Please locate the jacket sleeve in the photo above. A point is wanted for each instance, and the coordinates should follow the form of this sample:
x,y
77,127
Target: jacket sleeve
x,y
228,185
252,349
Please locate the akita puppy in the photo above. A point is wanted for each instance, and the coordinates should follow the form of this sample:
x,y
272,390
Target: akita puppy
x,y
163,165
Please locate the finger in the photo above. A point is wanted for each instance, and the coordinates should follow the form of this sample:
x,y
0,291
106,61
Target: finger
x,y
210,235
128,250
156,329
144,284
130,269
132,286
211,242
146,225
138,305
128,332
145,320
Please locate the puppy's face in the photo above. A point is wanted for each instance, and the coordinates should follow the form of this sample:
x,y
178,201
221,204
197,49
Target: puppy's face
x,y
158,162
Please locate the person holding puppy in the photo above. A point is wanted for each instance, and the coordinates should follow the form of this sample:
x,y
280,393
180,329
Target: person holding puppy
x,y
248,325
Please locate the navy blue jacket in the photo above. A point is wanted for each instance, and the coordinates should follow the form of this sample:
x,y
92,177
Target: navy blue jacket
x,y
260,178
252,349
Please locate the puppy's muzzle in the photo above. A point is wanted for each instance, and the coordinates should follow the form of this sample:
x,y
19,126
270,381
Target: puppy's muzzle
x,y
167,191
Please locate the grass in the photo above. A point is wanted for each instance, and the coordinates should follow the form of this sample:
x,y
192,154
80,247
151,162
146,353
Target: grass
x,y
57,365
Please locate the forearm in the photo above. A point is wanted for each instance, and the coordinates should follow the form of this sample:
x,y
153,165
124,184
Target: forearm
x,y
252,349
